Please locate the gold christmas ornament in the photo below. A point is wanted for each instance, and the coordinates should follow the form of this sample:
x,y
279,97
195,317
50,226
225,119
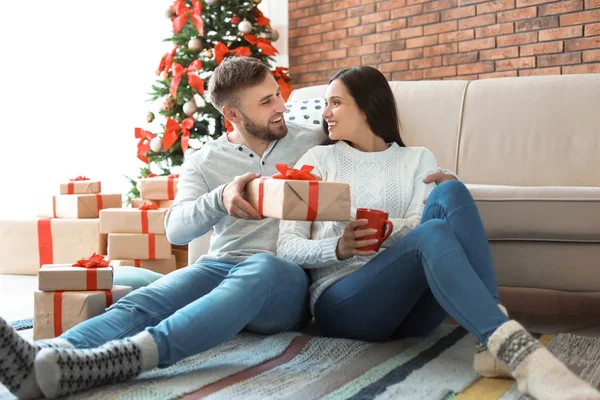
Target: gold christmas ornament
x,y
274,35
195,45
189,108
169,104
245,27
208,54
257,2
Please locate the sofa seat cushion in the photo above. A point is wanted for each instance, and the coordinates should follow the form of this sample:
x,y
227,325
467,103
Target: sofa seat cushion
x,y
543,213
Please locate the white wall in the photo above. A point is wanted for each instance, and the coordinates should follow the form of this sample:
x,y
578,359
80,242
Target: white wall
x,y
74,81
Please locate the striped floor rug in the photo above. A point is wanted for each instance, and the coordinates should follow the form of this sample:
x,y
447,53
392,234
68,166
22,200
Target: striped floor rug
x,y
297,366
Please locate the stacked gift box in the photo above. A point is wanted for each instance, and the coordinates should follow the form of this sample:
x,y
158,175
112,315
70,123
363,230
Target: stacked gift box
x,y
136,237
160,191
72,293
67,227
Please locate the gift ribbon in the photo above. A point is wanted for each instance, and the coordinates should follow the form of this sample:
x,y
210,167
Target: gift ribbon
x,y
144,143
166,62
172,129
263,44
71,184
261,20
58,316
151,246
91,264
182,11
45,241
137,263
144,215
283,79
303,174
171,186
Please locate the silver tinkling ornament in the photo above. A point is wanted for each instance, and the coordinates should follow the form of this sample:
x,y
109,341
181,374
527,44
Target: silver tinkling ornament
x,y
156,144
274,35
245,27
189,107
195,45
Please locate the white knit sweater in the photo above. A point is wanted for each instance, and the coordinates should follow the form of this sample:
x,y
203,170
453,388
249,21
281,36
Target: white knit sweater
x,y
390,180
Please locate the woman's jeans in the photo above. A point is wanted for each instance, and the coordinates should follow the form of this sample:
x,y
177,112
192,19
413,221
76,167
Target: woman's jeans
x,y
198,307
441,267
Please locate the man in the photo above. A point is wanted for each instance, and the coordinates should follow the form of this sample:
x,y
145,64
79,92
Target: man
x,y
239,285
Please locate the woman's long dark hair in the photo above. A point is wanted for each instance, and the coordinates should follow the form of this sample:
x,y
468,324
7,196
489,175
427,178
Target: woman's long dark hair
x,y
373,95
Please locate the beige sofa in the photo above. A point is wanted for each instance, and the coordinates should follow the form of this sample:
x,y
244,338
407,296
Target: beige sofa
x,y
529,151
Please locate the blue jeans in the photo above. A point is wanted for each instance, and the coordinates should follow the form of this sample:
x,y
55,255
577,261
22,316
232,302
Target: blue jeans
x,y
198,307
441,267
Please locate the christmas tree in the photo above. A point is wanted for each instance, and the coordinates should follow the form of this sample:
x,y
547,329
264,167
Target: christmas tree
x,y
204,33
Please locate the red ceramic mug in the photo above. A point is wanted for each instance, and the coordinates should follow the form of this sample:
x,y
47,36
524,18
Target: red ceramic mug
x,y
377,220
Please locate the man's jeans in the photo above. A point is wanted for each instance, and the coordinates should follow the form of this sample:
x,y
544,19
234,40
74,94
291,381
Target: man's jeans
x,y
205,304
441,267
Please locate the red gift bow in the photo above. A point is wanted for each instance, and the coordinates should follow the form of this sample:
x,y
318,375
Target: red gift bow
x,y
282,78
71,186
263,44
80,178
58,309
144,143
222,50
166,61
148,206
261,20
94,261
182,11
302,174
193,79
172,133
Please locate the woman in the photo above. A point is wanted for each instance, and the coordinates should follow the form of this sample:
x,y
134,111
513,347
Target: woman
x,y
436,261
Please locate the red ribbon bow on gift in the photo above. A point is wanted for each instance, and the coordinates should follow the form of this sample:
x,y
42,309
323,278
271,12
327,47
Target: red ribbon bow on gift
x,y
182,11
222,50
166,61
173,176
144,143
94,261
260,19
80,178
302,174
172,133
148,206
263,44
194,80
283,79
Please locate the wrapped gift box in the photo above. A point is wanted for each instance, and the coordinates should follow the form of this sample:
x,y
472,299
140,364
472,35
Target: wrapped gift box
x,y
81,187
300,200
55,277
138,246
132,220
56,312
77,205
159,187
26,245
161,266
136,203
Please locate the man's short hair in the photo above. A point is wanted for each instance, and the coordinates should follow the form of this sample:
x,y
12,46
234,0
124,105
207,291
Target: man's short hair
x,y
234,74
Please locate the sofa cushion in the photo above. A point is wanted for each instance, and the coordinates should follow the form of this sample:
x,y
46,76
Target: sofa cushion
x,y
548,213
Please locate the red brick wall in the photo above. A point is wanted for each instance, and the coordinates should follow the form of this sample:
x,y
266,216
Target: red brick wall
x,y
443,39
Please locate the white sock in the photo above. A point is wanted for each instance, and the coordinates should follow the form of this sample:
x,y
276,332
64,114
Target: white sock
x,y
61,372
537,371
485,364
17,356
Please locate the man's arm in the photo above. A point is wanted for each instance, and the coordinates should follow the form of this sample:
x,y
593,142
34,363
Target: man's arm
x,y
197,209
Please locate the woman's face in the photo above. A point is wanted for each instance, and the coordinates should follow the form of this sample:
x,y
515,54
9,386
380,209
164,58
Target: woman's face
x,y
345,121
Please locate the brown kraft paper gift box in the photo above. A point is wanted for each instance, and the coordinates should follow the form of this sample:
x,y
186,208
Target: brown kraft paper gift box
x,y
135,203
56,312
132,220
300,200
161,266
80,187
138,246
53,277
77,205
27,244
159,187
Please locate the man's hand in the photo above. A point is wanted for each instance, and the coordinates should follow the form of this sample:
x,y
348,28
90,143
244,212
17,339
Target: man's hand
x,y
233,201
437,177
348,245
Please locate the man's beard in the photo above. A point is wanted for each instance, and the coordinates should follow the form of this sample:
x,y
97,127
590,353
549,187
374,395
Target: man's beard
x,y
264,132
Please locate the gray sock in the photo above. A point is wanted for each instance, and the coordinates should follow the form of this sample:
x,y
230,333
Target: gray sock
x,y
61,372
17,357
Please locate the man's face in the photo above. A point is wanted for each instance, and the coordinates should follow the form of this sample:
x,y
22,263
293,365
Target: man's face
x,y
261,109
